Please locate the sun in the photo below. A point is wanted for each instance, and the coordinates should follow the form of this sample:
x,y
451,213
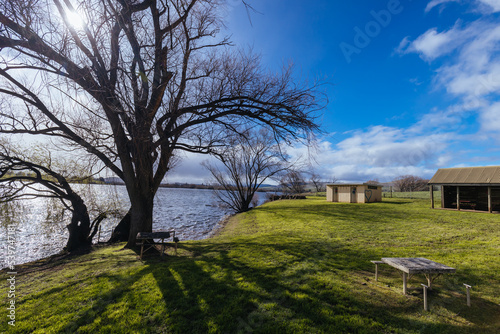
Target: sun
x,y
75,19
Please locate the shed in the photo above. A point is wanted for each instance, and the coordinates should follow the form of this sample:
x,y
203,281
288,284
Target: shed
x,y
354,193
468,188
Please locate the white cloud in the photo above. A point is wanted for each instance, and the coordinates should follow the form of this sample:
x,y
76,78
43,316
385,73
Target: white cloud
x,y
492,5
433,44
382,153
490,119
190,170
378,152
470,70
484,6
435,3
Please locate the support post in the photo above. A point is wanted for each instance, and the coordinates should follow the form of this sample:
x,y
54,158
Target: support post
x,y
429,281
432,196
426,306
458,198
404,283
468,293
442,197
490,208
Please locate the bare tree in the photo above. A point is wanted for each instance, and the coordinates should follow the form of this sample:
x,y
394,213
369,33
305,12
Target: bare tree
x,y
407,183
333,179
134,81
21,178
293,183
318,184
247,163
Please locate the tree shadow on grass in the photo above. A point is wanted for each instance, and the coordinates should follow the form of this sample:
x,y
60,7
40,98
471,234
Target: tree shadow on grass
x,y
252,286
221,292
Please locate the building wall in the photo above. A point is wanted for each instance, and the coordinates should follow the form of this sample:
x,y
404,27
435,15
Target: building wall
x,y
372,194
329,193
360,194
345,194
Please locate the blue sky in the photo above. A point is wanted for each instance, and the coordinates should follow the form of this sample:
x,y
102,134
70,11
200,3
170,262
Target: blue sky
x,y
413,85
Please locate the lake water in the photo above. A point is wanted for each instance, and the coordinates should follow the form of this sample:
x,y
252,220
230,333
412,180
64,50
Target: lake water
x,y
40,228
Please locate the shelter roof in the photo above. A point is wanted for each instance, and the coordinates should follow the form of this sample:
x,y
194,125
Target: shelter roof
x,y
467,176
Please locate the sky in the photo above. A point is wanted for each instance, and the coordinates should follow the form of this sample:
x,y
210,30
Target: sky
x,y
412,86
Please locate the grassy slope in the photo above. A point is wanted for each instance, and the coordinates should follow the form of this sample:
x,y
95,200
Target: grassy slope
x,y
288,266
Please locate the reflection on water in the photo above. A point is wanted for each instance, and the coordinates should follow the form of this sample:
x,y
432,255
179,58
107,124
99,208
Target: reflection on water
x,y
41,223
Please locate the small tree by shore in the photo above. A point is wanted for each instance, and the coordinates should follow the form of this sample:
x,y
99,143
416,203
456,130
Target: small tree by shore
x,y
316,181
293,183
247,162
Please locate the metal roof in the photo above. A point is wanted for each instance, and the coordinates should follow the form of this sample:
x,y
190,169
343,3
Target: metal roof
x,y
467,175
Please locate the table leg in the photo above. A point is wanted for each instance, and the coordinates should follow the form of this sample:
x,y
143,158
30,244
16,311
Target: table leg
x,y
468,293
404,283
426,305
142,247
162,247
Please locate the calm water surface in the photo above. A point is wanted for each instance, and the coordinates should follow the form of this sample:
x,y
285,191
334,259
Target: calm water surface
x,y
40,228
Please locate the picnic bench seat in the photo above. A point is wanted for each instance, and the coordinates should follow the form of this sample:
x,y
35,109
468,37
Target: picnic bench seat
x,y
148,240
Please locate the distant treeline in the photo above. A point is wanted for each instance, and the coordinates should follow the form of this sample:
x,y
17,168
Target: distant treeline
x,y
204,186
188,186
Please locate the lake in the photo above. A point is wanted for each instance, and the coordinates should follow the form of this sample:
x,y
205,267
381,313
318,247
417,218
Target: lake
x,y
40,226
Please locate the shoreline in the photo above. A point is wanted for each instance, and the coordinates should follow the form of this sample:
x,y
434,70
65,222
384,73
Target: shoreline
x,y
220,226
45,262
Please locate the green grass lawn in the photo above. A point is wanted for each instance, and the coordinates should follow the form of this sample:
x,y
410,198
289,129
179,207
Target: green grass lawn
x,y
298,266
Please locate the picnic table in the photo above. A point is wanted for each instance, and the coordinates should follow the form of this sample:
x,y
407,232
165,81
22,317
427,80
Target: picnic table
x,y
417,265
147,240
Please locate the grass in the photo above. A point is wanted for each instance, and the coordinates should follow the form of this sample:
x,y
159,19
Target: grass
x,y
298,266
413,195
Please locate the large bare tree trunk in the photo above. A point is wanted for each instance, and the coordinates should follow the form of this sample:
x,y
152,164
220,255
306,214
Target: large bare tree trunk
x,y
122,231
141,217
79,228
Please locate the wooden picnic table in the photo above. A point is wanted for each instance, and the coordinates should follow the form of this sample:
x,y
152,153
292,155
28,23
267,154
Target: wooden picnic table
x,y
147,239
418,265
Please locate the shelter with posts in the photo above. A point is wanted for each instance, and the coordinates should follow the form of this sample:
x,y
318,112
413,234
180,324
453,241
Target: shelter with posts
x,y
354,193
468,188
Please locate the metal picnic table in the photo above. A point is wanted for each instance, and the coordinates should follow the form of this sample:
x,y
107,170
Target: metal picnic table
x,y
418,265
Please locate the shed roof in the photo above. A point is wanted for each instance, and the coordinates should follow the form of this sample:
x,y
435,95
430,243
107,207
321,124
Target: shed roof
x,y
354,184
467,175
